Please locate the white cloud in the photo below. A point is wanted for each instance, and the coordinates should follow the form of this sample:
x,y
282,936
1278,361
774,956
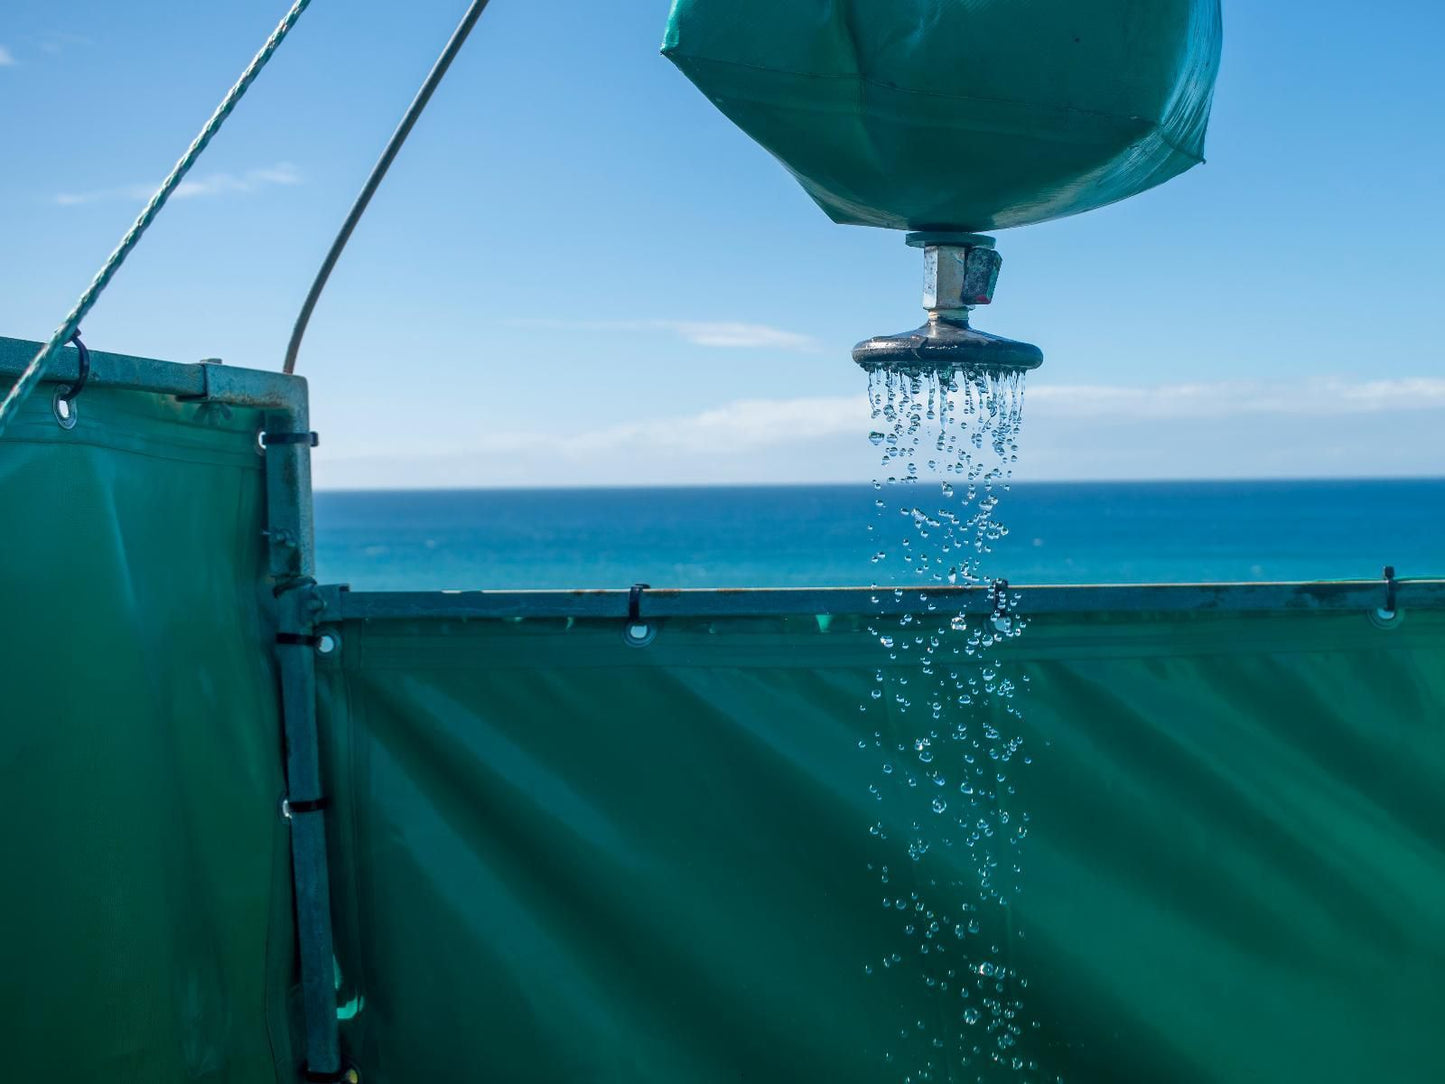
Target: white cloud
x,y
1317,397
1326,427
745,336
721,333
748,424
7,58
214,184
55,44
745,425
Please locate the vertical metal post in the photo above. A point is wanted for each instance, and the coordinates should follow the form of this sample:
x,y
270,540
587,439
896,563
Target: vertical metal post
x,y
287,443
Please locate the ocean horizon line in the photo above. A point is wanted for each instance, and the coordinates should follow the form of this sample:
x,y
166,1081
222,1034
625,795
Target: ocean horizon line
x,y
1013,483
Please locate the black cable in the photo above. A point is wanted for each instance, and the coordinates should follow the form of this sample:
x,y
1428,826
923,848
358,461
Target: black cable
x,y
378,172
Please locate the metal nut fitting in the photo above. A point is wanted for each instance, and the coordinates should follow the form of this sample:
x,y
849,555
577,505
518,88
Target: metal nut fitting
x,y
958,277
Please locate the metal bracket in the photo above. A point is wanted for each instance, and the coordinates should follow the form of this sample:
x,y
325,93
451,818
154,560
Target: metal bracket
x,y
205,393
331,604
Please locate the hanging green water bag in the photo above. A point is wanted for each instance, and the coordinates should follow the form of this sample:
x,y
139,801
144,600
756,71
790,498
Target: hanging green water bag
x,y
960,114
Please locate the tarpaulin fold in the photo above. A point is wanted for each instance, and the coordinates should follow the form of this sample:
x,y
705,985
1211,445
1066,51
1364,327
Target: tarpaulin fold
x,y
145,907
566,858
960,114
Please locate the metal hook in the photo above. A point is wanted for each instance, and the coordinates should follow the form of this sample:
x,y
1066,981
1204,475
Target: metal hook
x,y
84,372
637,632
634,603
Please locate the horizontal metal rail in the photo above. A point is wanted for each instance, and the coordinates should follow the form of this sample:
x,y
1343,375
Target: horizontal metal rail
x,y
1350,596
274,391
218,383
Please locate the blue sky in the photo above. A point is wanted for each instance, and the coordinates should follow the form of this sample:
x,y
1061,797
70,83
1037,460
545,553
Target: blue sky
x,y
1272,313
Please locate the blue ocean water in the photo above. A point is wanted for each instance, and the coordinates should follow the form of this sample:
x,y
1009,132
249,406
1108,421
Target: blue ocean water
x,y
816,536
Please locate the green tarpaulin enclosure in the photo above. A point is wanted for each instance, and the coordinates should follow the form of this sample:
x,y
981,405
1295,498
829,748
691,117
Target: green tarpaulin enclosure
x,y
556,856
146,877
571,859
960,114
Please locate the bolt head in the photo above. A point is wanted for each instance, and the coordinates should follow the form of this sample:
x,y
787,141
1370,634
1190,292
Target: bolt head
x,y
958,277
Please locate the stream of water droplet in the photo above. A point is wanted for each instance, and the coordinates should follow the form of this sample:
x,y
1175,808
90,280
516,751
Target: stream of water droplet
x,y
946,711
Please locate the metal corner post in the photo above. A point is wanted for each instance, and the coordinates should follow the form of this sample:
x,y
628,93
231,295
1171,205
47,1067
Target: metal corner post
x,y
287,442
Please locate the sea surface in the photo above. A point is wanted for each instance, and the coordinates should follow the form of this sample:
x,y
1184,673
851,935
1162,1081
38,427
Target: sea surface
x,y
817,536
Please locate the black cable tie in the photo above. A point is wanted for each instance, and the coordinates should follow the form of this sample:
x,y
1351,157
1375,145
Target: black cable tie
x,y
634,603
296,639
292,584
1390,587
84,371
309,805
311,439
339,1076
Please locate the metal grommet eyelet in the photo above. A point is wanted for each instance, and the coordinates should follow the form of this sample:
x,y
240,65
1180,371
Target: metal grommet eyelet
x,y
64,407
327,642
1386,619
638,634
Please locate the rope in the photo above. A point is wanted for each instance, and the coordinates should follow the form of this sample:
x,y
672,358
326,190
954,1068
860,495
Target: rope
x,y
378,171
35,371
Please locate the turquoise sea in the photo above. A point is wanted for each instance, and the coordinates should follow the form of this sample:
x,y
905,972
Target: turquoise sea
x,y
812,536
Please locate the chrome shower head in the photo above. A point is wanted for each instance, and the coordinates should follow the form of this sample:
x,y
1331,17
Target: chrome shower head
x,y
960,271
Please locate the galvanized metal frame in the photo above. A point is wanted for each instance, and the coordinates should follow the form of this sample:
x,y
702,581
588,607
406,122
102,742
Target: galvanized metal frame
x,y
290,531
1363,596
292,564
302,607
218,383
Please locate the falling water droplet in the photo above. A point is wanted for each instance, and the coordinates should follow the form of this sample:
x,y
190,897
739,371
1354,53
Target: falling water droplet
x,y
960,431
